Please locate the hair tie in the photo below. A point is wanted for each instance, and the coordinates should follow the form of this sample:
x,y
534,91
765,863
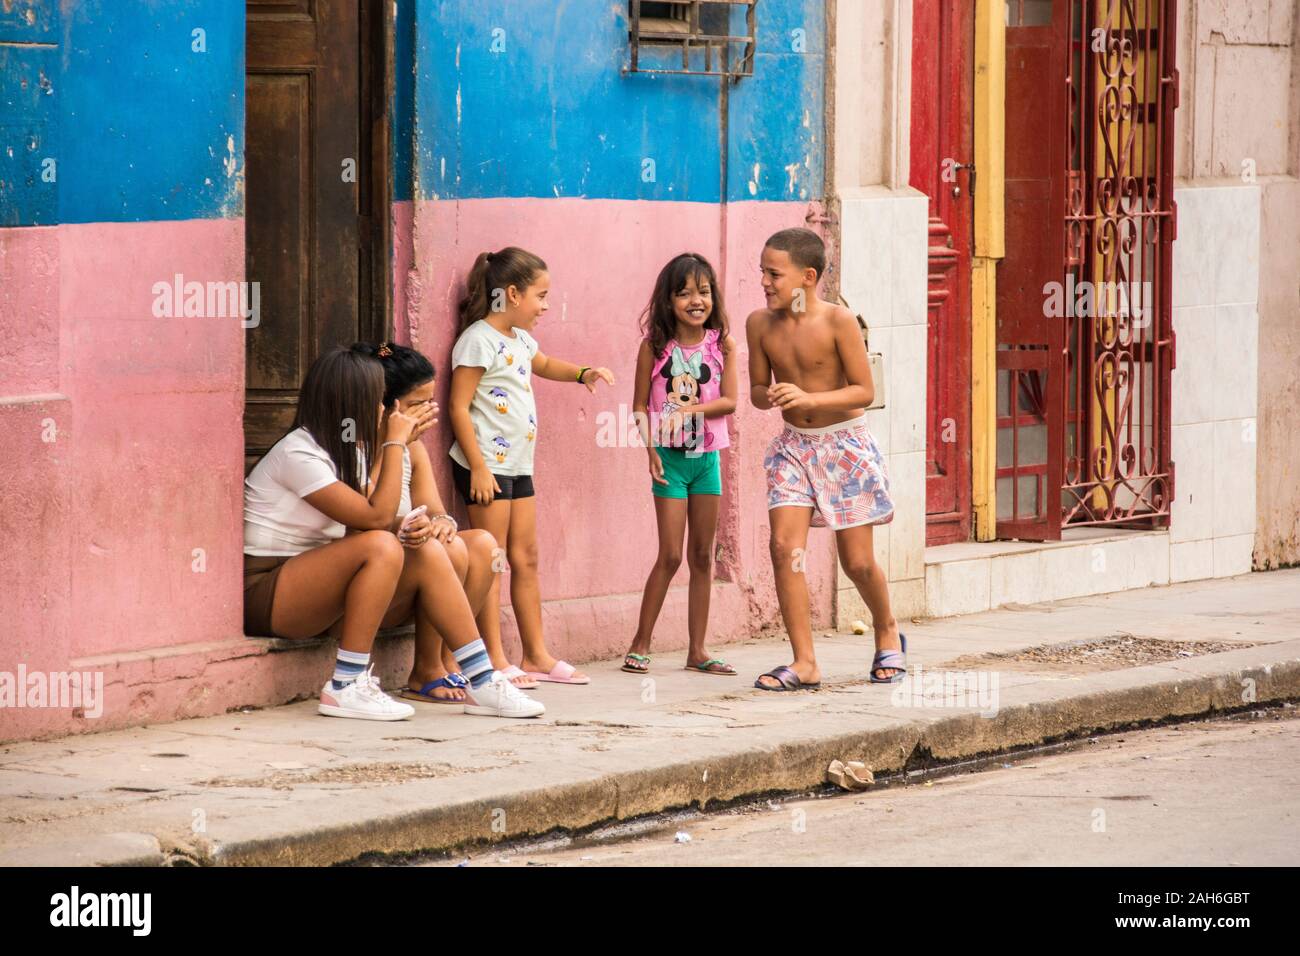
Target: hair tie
x,y
491,256
385,351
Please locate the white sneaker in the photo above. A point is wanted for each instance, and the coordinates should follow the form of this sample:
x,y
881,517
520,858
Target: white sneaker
x,y
500,698
362,699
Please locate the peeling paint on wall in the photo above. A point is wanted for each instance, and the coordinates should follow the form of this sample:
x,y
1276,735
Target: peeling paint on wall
x,y
557,116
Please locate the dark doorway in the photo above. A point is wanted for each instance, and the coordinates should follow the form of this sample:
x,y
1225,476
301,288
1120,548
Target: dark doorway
x,y
317,193
1085,340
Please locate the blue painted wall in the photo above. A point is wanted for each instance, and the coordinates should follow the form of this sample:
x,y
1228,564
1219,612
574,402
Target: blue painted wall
x,y
528,98
777,116
30,71
142,126
403,103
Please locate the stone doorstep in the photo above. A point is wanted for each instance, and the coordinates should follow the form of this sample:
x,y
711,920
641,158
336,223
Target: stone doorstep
x,y
1070,537
971,577
177,682
911,600
276,644
243,646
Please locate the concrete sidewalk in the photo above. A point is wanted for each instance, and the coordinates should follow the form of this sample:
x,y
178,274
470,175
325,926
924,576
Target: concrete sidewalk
x,y
285,786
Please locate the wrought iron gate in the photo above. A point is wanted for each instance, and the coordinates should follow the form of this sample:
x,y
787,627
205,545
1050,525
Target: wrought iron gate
x,y
1084,390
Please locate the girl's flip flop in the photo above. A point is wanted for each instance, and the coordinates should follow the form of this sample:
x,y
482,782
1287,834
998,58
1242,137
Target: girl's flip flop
x,y
561,673
631,660
714,665
511,672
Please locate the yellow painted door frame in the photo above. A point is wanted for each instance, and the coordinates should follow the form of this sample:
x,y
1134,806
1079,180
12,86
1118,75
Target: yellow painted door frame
x,y
990,154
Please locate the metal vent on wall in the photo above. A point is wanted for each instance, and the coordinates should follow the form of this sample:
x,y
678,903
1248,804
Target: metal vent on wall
x,y
700,29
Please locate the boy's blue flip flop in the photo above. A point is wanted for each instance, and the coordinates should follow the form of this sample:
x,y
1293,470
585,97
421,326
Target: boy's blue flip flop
x,y
890,660
788,680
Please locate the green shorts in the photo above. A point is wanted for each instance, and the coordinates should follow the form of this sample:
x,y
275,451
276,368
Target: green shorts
x,y
688,474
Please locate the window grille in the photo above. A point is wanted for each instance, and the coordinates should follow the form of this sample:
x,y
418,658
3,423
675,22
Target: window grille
x,y
701,29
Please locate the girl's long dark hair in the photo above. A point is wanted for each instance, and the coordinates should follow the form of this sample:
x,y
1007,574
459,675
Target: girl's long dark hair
x,y
659,321
511,266
339,400
404,369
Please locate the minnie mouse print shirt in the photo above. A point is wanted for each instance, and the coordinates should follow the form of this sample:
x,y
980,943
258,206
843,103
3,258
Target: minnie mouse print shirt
x,y
684,378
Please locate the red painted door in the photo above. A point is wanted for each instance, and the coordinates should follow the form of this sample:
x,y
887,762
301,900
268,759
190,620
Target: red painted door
x,y
941,158
1083,378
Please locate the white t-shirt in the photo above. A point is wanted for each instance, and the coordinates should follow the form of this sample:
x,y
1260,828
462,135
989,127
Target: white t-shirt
x,y
502,411
404,505
276,519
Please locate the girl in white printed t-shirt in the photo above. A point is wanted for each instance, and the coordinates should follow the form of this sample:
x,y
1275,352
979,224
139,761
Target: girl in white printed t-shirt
x,y
494,418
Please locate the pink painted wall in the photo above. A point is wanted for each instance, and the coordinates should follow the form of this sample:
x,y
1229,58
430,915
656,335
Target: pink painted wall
x,y
596,524
100,524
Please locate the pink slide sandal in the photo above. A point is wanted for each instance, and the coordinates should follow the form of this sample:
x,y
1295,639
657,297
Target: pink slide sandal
x,y
513,671
561,673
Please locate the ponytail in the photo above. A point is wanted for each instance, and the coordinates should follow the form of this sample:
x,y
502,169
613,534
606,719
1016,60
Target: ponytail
x,y
493,271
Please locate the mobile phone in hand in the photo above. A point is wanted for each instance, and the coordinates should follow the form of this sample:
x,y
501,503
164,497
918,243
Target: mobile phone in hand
x,y
411,516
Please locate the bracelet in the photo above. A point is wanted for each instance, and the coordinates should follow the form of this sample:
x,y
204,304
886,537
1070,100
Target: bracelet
x,y
400,444
444,517
585,370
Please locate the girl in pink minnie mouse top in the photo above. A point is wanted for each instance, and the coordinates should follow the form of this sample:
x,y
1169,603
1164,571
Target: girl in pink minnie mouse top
x,y
685,389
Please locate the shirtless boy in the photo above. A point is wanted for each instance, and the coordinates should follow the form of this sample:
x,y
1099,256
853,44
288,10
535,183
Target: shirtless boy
x,y
824,469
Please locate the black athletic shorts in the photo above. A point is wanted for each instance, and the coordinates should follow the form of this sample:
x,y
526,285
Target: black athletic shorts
x,y
512,486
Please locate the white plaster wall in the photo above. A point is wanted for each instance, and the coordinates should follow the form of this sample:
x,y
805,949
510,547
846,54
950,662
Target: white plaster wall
x,y
971,577
1215,380
883,277
1239,120
882,274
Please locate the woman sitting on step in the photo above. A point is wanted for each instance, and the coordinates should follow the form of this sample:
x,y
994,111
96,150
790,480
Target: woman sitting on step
x,y
321,545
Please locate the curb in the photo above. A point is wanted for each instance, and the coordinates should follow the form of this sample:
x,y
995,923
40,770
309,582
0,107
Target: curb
x,y
794,764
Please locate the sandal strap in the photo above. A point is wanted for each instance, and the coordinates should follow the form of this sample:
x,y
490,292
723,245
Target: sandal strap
x,y
891,659
784,676
445,682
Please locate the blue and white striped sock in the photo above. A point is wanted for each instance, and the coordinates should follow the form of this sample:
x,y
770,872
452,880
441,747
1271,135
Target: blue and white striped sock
x,y
474,663
348,666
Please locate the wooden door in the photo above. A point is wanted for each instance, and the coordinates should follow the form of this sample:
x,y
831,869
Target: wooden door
x,y
941,158
316,193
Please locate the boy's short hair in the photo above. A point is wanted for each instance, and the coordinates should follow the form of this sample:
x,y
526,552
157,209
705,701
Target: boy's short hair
x,y
805,248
